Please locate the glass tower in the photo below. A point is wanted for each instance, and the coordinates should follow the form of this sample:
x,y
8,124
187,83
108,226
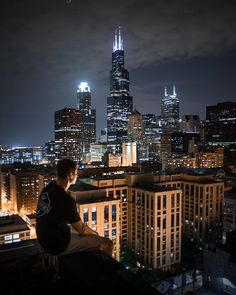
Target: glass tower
x,y
119,103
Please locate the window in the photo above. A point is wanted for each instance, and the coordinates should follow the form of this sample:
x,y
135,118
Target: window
x,y
172,220
85,211
106,214
172,201
164,221
172,257
113,233
113,212
158,202
164,202
94,215
106,233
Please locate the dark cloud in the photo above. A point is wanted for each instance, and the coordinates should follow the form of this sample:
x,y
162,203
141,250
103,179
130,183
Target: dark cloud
x,y
47,47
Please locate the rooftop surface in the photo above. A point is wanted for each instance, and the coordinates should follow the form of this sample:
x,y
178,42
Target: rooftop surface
x,y
22,272
154,187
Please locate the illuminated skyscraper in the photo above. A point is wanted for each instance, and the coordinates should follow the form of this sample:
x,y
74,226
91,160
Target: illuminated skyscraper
x,y
87,118
67,134
119,103
170,112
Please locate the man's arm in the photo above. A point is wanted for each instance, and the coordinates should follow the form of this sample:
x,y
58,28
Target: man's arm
x,y
83,229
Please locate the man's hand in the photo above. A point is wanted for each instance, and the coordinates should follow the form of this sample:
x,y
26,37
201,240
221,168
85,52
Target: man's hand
x,y
83,229
88,231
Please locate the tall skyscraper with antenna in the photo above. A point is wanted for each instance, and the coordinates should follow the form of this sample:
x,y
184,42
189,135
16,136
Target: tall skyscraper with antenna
x,y
170,112
119,103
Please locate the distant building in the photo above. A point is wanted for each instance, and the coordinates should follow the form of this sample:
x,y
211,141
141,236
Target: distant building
x,y
22,154
49,151
103,136
67,134
152,129
211,158
111,160
136,127
87,118
96,153
13,229
190,123
221,124
170,112
129,153
119,103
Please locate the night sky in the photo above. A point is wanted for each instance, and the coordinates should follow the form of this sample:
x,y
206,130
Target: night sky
x,y
47,47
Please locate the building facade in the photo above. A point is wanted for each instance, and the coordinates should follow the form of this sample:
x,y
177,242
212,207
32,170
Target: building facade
x,y
155,225
221,124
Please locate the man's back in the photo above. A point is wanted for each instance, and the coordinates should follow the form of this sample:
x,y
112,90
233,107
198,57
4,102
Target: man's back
x,y
54,211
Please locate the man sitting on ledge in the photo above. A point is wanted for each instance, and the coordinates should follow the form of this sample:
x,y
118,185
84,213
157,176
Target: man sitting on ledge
x,y
56,211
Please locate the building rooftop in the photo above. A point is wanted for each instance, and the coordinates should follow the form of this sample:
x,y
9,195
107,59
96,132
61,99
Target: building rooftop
x,y
12,223
154,187
94,199
22,272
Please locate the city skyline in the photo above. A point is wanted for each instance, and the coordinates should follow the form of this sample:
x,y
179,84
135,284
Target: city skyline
x,y
49,48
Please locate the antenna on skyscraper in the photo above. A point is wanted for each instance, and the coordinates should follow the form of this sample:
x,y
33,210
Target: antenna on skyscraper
x,y
166,91
174,93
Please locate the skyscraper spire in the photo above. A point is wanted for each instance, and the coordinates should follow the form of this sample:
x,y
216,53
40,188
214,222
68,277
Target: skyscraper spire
x,y
118,42
174,93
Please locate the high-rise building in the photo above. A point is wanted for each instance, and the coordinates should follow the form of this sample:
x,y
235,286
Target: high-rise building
x,y
67,134
203,199
87,118
155,225
170,112
119,103
221,124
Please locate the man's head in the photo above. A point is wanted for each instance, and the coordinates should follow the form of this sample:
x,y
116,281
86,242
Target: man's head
x,y
67,170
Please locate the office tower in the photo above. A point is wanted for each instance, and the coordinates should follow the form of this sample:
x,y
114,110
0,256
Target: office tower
x,y
87,118
67,134
136,127
190,123
170,112
119,103
221,124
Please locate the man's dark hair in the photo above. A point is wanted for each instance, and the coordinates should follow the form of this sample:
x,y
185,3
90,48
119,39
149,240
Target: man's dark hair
x,y
64,167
